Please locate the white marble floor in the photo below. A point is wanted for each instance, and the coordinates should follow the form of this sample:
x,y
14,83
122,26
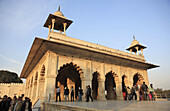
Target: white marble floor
x,y
121,105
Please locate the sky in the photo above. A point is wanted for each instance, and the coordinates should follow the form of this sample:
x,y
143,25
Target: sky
x,y
110,23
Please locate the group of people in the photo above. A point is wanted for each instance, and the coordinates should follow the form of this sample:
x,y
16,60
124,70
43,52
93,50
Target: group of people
x,y
15,104
139,91
72,94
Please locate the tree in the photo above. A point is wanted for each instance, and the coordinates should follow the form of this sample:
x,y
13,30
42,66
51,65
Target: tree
x,y
9,77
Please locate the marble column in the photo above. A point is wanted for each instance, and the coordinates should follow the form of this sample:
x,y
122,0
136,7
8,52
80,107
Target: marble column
x,y
49,26
34,91
101,89
137,50
142,52
119,90
50,78
64,24
53,21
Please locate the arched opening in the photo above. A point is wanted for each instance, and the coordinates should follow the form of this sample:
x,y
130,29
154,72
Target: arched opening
x,y
28,87
42,74
95,85
137,79
123,82
110,86
68,76
41,82
36,77
30,93
31,81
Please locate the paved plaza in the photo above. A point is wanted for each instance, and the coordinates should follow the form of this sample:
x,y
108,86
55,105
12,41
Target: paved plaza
x,y
111,105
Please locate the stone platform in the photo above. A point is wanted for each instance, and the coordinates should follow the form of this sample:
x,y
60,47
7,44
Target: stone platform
x,y
109,105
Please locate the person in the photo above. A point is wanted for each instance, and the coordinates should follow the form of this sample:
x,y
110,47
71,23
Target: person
x,y
18,105
80,93
27,105
141,94
66,94
4,104
151,91
137,86
89,94
58,94
114,90
86,92
72,94
145,91
13,102
25,99
9,101
129,93
133,92
124,90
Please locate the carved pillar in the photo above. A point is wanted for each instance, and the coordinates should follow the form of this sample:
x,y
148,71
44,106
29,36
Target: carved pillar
x,y
49,26
131,51
119,90
50,78
26,89
142,52
41,89
118,81
64,24
137,50
101,89
84,83
37,91
53,21
34,91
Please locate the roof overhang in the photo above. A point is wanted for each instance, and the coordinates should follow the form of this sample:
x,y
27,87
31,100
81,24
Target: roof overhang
x,y
134,47
41,46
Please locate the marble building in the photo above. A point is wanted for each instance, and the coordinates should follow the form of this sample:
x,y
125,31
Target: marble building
x,y
64,61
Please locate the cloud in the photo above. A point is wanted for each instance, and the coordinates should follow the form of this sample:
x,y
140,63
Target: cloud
x,y
10,60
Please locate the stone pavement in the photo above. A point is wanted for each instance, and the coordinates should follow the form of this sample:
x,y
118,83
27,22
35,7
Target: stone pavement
x,y
115,105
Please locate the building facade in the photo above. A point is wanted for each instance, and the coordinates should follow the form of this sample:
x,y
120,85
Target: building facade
x,y
64,61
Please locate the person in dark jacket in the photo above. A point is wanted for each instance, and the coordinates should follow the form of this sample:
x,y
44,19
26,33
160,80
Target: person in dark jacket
x,y
58,94
145,91
89,94
80,93
27,105
4,106
133,92
72,94
66,94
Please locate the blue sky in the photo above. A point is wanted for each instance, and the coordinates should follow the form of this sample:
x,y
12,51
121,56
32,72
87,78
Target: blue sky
x,y
110,23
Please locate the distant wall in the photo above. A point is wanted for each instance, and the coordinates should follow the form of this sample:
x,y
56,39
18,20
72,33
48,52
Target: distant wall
x,y
11,89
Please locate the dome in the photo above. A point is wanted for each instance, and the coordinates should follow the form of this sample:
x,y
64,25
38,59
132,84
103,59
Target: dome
x,y
134,42
58,13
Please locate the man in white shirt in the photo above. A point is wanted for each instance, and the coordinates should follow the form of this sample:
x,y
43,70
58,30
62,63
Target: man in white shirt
x,y
58,93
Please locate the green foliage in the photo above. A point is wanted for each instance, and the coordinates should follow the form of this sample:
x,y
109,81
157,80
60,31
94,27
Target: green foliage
x,y
9,77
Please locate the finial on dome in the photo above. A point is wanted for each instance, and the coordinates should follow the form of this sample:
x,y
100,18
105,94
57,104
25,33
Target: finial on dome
x,y
59,8
133,37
